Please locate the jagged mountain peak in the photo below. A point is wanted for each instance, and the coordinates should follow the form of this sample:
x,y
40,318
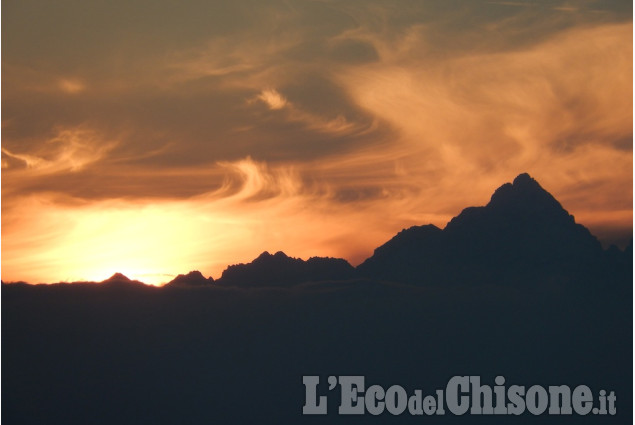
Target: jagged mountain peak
x,y
118,277
267,256
282,270
193,278
522,202
522,231
525,194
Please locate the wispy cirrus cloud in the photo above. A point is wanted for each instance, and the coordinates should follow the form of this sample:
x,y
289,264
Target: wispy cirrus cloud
x,y
70,150
351,119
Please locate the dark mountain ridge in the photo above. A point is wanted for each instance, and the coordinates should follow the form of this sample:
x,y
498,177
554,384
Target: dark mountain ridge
x,y
193,278
282,270
236,350
522,235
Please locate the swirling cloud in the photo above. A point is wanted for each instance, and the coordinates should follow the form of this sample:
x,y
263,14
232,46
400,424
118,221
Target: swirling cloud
x,y
319,127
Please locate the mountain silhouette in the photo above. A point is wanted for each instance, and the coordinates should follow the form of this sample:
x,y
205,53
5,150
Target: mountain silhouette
x,y
120,280
117,277
192,279
235,351
522,235
282,270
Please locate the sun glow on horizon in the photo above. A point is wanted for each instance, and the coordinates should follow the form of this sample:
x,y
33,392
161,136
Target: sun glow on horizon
x,y
49,242
92,243
45,240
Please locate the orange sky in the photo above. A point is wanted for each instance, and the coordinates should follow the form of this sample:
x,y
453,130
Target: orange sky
x,y
198,136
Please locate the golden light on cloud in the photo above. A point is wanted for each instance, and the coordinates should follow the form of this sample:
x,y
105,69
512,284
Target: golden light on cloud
x,y
69,150
154,241
71,86
272,99
552,110
312,134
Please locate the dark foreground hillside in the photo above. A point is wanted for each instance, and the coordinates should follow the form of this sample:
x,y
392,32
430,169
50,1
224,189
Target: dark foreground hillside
x,y
128,354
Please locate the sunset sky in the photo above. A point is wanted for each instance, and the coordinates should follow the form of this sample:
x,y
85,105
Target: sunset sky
x,y
156,137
